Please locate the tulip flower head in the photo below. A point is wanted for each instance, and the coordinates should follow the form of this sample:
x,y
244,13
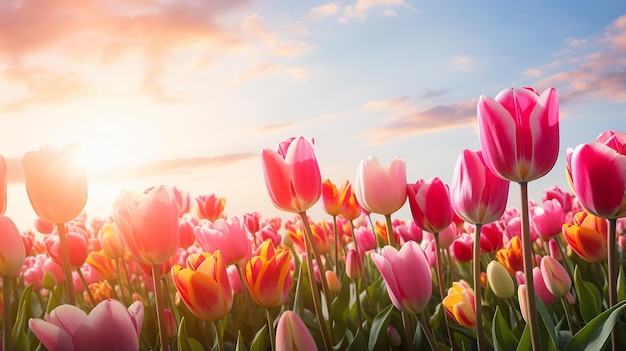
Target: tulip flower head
x,y
587,236
227,235
12,252
292,175
500,280
459,304
430,204
381,189
519,133
555,276
268,275
210,207
293,334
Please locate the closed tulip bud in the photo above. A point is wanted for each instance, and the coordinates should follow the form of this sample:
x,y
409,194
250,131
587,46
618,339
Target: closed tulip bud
x,y
111,241
170,324
12,252
500,280
462,248
354,265
381,189
555,250
333,281
555,276
394,337
293,334
522,297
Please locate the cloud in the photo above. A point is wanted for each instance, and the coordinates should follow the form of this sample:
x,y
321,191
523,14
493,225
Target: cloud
x,y
361,9
325,10
262,69
275,127
15,171
406,118
461,62
533,72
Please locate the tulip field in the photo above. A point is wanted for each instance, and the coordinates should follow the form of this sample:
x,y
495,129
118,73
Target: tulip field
x,y
469,271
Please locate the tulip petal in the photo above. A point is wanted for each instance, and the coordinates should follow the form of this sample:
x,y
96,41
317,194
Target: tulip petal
x,y
50,335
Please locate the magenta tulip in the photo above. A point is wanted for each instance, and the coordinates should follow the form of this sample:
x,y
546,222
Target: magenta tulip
x,y
407,276
430,204
519,133
381,189
597,174
109,326
292,175
476,194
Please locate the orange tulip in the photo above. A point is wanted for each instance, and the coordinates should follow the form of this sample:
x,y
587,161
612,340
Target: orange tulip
x,y
587,236
459,304
56,184
210,207
203,285
511,256
268,275
351,209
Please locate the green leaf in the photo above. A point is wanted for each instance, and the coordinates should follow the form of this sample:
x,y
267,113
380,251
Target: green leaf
x,y
258,343
595,334
186,343
54,299
588,295
358,343
503,338
525,342
621,285
24,313
340,307
241,344
378,332
547,322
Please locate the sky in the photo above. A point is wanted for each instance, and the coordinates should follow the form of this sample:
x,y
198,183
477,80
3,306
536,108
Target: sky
x,y
188,93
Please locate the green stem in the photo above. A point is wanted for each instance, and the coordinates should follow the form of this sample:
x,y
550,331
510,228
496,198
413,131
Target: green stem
x,y
442,291
566,310
125,298
390,238
270,328
358,303
69,282
82,279
406,322
428,332
336,245
477,289
158,296
6,315
527,253
218,335
612,272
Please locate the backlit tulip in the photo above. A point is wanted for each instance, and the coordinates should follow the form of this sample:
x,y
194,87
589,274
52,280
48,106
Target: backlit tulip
x,y
407,276
203,285
430,204
12,253
56,183
148,223
597,174
381,188
3,185
351,209
109,326
77,245
292,334
268,275
459,304
210,206
587,236
111,241
476,194
227,235
332,197
292,175
519,133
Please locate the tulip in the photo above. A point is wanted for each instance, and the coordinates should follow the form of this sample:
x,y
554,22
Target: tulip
x,y
522,296
556,193
210,206
430,205
3,185
227,235
541,288
381,189
587,237
500,280
56,184
76,243
354,265
12,252
459,304
351,209
511,256
111,241
548,220
555,276
597,174
43,226
293,334
186,226
407,276
491,237
333,197
292,175
148,224
109,326
203,285
476,194
462,249
268,275
519,133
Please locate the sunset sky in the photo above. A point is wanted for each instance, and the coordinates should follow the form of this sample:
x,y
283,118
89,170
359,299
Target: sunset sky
x,y
188,93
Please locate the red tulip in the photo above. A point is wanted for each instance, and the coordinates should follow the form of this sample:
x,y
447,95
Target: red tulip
x,y
292,175
430,205
597,174
519,133
210,207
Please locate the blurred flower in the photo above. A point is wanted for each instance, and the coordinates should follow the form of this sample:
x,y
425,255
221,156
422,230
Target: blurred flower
x,y
462,248
519,133
227,235
407,276
587,236
148,223
12,252
430,204
100,292
381,189
292,175
77,247
333,281
293,334
203,285
67,327
43,226
55,182
354,265
186,227
597,174
210,206
459,304
268,275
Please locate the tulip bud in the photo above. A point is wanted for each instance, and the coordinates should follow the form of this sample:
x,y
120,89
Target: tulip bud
x,y
555,276
293,334
394,337
170,324
523,300
333,281
354,265
12,252
500,280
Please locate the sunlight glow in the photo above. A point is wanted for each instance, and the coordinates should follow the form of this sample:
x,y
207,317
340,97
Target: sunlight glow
x,y
102,153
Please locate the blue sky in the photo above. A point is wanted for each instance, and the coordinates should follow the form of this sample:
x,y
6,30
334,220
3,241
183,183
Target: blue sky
x,y
196,89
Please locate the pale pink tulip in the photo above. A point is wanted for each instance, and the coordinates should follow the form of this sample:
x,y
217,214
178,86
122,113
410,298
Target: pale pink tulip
x,y
12,252
227,235
555,276
292,334
519,133
381,189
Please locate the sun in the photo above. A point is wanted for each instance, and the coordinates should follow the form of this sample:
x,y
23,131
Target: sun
x,y
102,153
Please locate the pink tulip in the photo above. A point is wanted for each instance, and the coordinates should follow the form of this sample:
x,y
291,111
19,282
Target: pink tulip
x,y
556,193
293,334
292,175
148,223
555,276
3,185
354,265
77,247
407,276
462,248
597,174
519,133
476,194
430,204
541,288
109,326
548,220
381,189
227,235
12,253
